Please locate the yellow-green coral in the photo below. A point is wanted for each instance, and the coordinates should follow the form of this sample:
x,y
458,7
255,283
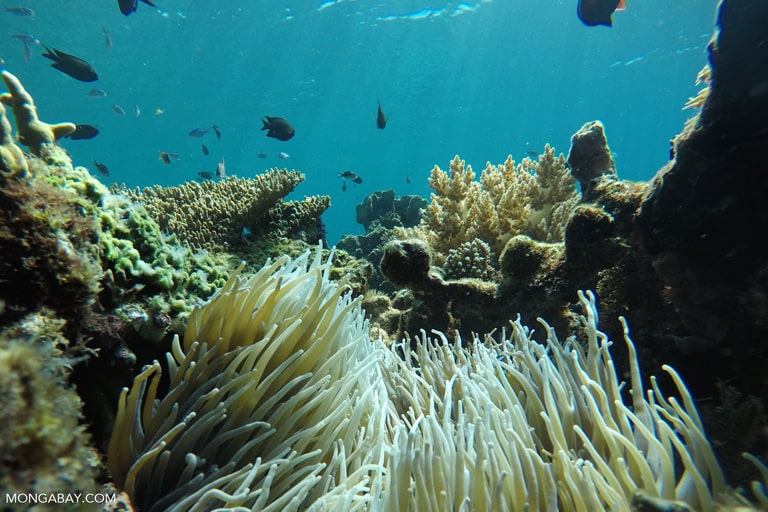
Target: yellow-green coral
x,y
213,213
530,198
44,444
33,133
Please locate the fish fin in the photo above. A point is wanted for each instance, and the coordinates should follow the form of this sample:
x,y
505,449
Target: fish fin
x,y
149,2
622,5
49,54
266,123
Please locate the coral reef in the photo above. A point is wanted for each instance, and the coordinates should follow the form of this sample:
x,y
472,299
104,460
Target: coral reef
x,y
530,198
590,157
214,213
471,259
379,213
33,133
383,208
43,441
46,242
12,159
295,406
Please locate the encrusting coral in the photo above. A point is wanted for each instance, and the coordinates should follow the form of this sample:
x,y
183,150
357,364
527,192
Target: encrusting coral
x,y
279,400
530,198
213,213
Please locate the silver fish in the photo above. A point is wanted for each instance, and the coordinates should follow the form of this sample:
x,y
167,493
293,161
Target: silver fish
x,y
117,109
97,93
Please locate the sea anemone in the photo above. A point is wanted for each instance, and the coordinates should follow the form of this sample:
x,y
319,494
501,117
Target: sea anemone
x,y
278,399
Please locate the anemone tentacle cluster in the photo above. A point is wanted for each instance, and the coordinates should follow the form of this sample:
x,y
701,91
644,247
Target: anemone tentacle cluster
x,y
278,399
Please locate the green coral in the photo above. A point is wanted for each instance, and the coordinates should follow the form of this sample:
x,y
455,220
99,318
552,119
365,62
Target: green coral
x,y
44,444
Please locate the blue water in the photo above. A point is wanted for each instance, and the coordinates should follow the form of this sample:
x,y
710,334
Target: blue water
x,y
478,79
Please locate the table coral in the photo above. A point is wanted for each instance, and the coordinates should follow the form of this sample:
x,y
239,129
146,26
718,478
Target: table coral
x,y
531,198
214,213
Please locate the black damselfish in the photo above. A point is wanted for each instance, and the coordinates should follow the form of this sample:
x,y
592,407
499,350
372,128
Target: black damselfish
x,y
381,119
278,127
598,12
73,66
84,131
129,6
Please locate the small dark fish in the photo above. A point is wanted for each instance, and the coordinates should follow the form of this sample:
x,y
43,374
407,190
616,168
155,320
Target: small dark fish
x,y
598,12
205,175
261,155
221,170
278,127
199,132
204,148
408,180
350,175
84,131
531,153
381,119
97,93
73,66
107,38
216,130
20,11
165,157
343,186
117,109
103,169
129,6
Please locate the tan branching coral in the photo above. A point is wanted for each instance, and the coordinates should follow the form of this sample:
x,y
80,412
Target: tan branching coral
x,y
33,133
214,213
12,159
530,198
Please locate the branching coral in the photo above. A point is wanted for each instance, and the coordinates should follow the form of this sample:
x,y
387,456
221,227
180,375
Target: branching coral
x,y
214,213
530,198
279,400
33,133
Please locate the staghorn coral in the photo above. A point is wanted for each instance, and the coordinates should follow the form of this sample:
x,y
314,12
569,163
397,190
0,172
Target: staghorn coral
x,y
33,133
530,198
213,213
279,400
